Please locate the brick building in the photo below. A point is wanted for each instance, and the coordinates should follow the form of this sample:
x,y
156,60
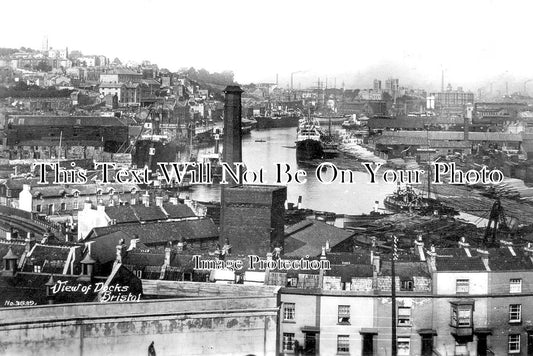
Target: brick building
x,y
254,218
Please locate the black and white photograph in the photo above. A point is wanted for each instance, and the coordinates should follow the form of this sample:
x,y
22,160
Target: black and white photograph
x,y
266,178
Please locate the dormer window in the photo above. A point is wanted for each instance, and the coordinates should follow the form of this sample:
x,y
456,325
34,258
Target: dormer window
x,y
76,194
111,191
99,192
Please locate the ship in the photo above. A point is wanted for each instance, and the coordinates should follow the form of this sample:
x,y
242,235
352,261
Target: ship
x,y
405,199
149,151
278,118
309,140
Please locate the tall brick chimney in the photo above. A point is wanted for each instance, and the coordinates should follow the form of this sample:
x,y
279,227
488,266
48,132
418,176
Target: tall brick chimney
x,y
232,124
232,149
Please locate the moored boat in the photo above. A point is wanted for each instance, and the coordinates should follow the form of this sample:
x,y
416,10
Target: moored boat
x,y
309,140
276,118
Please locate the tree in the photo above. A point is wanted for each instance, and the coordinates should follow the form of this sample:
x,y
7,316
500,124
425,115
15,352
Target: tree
x,y
42,66
386,96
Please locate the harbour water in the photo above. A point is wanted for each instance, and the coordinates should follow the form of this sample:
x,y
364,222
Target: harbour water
x,y
265,148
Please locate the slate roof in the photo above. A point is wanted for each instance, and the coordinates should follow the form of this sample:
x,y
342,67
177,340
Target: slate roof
x,y
141,259
502,259
178,211
456,259
121,213
104,249
309,236
82,189
405,269
162,232
148,213
347,272
50,258
18,247
141,213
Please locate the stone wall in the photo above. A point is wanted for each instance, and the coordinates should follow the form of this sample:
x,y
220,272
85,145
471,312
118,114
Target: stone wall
x,y
187,326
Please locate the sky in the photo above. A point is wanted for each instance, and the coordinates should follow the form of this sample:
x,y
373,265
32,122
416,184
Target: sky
x,y
352,42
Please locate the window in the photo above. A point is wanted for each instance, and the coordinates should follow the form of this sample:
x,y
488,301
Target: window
x,y
138,273
462,286
462,315
343,343
76,194
288,342
406,285
515,313
37,269
404,346
292,282
76,205
63,206
404,316
344,314
515,285
514,343
289,310
38,208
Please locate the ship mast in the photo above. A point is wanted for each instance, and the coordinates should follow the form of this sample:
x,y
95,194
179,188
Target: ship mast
x,y
428,161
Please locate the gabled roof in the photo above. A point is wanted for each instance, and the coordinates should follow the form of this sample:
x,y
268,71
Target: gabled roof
x,y
456,259
162,232
178,211
50,258
309,236
405,269
121,213
347,272
104,249
502,259
148,213
140,213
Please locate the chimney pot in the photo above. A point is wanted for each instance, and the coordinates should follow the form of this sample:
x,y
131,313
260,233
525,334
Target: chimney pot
x,y
146,199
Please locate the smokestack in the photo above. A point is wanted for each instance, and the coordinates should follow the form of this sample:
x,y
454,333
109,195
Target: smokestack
x,y
232,149
232,124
